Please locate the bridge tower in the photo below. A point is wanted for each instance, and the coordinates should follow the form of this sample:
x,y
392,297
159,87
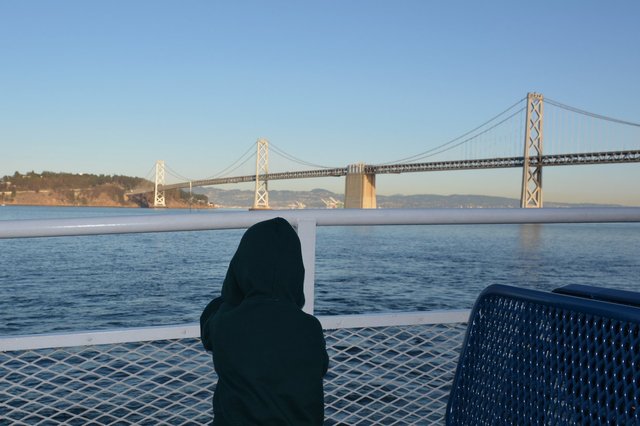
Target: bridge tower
x,y
261,200
531,196
158,195
360,188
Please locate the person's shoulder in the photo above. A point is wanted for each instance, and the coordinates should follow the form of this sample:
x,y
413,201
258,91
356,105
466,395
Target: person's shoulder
x,y
211,309
311,320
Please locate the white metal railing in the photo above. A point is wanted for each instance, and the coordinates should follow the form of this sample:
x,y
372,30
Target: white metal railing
x,y
384,369
387,368
306,222
144,334
326,217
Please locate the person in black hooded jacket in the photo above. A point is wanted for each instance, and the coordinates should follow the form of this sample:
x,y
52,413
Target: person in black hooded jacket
x,y
269,355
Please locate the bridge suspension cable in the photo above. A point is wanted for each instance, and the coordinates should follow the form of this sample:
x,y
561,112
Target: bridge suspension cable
x,y
573,130
243,159
249,153
290,157
175,174
474,136
450,144
590,114
151,174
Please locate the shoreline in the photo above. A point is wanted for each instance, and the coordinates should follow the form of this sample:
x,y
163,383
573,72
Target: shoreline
x,y
106,205
103,196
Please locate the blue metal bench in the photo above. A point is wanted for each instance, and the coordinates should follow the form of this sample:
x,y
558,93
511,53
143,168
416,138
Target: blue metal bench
x,y
541,358
623,297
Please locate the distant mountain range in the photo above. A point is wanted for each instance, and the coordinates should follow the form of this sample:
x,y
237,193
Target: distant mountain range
x,y
322,198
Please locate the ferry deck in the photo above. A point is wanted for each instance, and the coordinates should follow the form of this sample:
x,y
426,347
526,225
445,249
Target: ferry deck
x,y
392,369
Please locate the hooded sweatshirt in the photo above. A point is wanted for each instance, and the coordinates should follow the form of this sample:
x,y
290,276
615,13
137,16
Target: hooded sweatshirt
x,y
269,355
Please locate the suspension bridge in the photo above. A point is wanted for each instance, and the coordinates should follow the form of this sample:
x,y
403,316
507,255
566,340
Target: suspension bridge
x,y
571,137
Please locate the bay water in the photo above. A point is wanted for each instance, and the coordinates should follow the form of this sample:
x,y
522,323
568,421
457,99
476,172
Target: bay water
x,y
102,282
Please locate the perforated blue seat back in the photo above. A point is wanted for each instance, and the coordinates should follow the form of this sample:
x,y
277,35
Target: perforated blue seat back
x,y
538,358
623,297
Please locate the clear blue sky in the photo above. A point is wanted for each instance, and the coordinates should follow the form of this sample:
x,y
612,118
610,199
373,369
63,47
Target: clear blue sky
x,y
111,87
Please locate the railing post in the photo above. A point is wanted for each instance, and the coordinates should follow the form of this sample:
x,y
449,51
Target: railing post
x,y
307,235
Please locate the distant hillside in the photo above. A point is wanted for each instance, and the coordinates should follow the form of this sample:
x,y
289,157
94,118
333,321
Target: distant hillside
x,y
320,198
68,189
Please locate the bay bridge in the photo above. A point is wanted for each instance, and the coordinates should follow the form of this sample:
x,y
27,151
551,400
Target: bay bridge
x,y
577,137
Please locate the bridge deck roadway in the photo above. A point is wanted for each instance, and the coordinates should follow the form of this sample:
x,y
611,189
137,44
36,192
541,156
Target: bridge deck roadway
x,y
610,157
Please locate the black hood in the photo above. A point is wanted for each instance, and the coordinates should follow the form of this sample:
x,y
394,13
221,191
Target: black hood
x,y
268,264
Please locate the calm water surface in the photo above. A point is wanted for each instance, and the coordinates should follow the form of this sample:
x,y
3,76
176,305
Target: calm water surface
x,y
100,282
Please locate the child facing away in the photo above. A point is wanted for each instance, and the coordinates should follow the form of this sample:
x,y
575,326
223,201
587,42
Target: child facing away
x,y
269,355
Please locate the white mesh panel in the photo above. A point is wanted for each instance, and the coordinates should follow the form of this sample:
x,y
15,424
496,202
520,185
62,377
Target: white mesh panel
x,y
377,375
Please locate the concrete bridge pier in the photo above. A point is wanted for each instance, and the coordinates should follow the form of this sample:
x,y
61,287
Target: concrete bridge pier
x,y
360,188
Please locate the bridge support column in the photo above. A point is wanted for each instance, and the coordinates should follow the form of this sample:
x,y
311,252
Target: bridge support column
x,y
261,200
531,196
158,194
360,188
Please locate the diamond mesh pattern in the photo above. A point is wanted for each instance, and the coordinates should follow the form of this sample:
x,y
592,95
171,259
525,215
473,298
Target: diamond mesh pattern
x,y
162,382
391,375
382,375
539,364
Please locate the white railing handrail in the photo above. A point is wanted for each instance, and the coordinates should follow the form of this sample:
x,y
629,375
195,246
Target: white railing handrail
x,y
326,217
145,334
306,222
